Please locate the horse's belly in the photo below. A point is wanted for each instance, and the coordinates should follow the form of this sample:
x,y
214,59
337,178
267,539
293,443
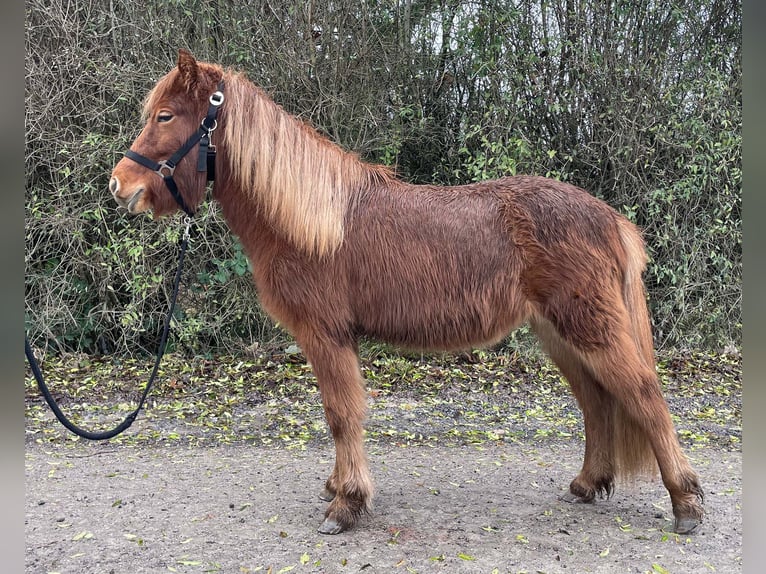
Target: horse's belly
x,y
441,319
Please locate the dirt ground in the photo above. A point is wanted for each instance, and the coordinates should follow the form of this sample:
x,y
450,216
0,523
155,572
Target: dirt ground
x,y
95,508
454,493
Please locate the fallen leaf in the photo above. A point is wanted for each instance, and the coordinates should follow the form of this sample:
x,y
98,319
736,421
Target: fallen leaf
x,y
84,535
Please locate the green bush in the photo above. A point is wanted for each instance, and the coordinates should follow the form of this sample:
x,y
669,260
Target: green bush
x,y
638,102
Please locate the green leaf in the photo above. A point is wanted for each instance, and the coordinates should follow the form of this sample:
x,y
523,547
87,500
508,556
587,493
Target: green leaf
x,y
84,535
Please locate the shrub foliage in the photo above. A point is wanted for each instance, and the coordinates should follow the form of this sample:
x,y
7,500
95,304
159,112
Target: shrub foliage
x,y
637,101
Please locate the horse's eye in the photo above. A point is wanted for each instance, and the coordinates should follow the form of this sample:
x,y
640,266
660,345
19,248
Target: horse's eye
x,y
164,117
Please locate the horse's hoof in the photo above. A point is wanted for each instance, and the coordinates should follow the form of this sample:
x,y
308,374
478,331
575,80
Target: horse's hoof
x,y
686,525
574,499
569,497
330,526
327,495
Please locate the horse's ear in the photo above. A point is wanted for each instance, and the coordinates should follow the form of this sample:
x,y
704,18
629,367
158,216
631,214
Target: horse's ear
x,y
188,69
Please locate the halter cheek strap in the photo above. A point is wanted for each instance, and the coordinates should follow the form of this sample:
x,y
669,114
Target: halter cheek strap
x,y
205,160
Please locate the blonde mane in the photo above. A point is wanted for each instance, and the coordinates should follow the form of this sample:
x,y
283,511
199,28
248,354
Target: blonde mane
x,y
304,182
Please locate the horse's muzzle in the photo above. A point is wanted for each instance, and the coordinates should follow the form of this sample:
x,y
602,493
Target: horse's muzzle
x,y
130,203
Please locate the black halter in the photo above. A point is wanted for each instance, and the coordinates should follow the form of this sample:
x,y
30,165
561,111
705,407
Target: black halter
x,y
206,160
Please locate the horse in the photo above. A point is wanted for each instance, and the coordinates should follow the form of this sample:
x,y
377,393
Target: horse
x,y
343,249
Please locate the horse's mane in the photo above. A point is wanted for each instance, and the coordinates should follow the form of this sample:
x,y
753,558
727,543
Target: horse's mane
x,y
304,183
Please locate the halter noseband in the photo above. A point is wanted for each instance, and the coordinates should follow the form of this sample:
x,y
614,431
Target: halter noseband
x,y
206,159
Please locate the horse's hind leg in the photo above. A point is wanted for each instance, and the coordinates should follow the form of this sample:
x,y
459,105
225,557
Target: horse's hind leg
x,y
598,469
617,367
349,487
635,387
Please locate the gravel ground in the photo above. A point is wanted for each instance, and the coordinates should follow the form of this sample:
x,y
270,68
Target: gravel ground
x,y
222,472
94,508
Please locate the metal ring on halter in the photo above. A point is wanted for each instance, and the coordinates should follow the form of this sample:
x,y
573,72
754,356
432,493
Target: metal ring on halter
x,y
165,165
210,129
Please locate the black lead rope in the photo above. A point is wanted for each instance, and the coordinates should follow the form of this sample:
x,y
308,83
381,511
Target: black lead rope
x,y
104,435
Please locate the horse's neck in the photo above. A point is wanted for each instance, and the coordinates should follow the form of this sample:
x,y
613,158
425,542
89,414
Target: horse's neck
x,y
246,220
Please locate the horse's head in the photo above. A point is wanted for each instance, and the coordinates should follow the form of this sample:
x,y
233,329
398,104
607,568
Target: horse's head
x,y
173,111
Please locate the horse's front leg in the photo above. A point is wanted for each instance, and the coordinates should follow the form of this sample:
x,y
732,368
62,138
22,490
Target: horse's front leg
x,y
349,488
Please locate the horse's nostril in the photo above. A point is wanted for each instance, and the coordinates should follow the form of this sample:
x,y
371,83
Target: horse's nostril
x,y
114,185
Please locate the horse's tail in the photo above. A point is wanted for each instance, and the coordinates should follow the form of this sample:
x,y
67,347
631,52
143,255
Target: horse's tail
x,y
633,292
633,453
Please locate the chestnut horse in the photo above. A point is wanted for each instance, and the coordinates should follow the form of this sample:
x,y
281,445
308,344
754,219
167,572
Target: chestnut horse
x,y
341,249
